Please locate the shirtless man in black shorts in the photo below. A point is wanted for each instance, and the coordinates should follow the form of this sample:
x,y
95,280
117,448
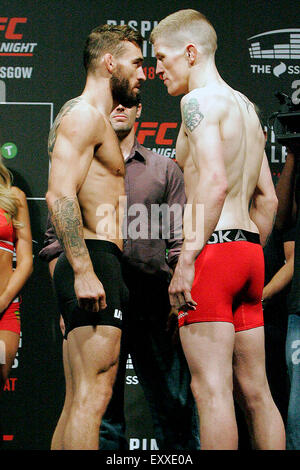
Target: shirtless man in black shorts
x,y
86,187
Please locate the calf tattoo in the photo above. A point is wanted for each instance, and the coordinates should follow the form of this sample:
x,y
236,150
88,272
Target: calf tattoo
x,y
67,221
191,114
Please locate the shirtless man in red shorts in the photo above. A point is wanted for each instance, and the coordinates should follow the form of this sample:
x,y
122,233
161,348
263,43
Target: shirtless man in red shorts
x,y
217,285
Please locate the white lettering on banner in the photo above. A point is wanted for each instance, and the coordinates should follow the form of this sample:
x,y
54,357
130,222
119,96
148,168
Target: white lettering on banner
x,y
2,352
296,94
293,69
132,380
145,27
2,91
273,150
16,360
16,72
166,152
20,47
144,444
296,354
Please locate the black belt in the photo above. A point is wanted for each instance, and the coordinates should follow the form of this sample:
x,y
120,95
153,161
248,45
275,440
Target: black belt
x,y
233,235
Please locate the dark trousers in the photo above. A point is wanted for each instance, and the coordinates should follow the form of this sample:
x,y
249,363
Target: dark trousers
x,y
160,366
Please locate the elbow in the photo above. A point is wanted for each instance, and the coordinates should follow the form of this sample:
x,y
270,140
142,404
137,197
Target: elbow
x,y
269,203
274,204
29,265
49,199
220,187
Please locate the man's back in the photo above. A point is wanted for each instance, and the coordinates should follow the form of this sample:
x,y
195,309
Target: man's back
x,y
221,109
243,146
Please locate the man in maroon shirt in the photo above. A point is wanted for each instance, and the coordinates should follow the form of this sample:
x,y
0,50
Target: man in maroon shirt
x,y
152,182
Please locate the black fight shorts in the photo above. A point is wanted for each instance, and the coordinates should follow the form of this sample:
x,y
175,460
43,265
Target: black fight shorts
x,y
106,259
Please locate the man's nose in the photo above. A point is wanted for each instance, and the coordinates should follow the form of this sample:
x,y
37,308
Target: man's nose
x,y
159,68
141,75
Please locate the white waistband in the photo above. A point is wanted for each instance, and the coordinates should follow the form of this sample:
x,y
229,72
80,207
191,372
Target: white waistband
x,y
6,249
6,241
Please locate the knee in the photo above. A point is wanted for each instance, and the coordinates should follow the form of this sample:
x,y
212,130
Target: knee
x,y
254,395
211,390
93,400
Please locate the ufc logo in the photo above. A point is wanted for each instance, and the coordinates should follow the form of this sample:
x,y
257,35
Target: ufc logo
x,y
10,25
154,129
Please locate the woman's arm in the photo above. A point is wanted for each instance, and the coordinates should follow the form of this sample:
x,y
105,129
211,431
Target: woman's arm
x,y
23,253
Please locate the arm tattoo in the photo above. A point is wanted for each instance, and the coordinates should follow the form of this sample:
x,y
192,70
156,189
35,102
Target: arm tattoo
x,y
63,112
191,114
67,221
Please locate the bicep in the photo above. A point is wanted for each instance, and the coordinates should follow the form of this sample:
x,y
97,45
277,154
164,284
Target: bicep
x,y
69,163
202,124
73,151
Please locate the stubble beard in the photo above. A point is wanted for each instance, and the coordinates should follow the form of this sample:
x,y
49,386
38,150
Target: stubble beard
x,y
121,91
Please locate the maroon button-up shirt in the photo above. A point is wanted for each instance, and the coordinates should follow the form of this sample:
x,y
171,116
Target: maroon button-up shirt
x,y
152,226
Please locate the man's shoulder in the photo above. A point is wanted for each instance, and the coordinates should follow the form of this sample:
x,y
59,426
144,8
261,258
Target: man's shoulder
x,y
211,101
80,110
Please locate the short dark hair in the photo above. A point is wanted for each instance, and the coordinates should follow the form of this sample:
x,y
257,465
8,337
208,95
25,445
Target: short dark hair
x,y
108,38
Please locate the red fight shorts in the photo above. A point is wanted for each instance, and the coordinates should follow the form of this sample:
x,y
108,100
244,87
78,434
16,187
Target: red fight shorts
x,y
229,280
10,318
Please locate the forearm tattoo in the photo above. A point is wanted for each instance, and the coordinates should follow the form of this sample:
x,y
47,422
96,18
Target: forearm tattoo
x,y
67,221
192,115
65,110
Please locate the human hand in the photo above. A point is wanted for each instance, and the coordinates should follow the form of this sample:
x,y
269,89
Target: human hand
x,y
181,286
89,291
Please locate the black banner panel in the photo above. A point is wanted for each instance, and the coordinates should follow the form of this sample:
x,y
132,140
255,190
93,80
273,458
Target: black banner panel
x,y
41,67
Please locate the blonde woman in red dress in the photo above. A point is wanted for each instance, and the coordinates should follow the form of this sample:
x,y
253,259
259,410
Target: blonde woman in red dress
x,y
15,235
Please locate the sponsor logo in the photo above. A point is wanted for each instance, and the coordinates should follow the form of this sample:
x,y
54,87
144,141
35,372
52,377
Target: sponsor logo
x,y
131,379
12,30
281,45
222,236
9,150
155,134
118,314
182,314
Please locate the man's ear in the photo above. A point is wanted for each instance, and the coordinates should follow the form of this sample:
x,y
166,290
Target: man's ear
x,y
109,62
138,110
191,53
